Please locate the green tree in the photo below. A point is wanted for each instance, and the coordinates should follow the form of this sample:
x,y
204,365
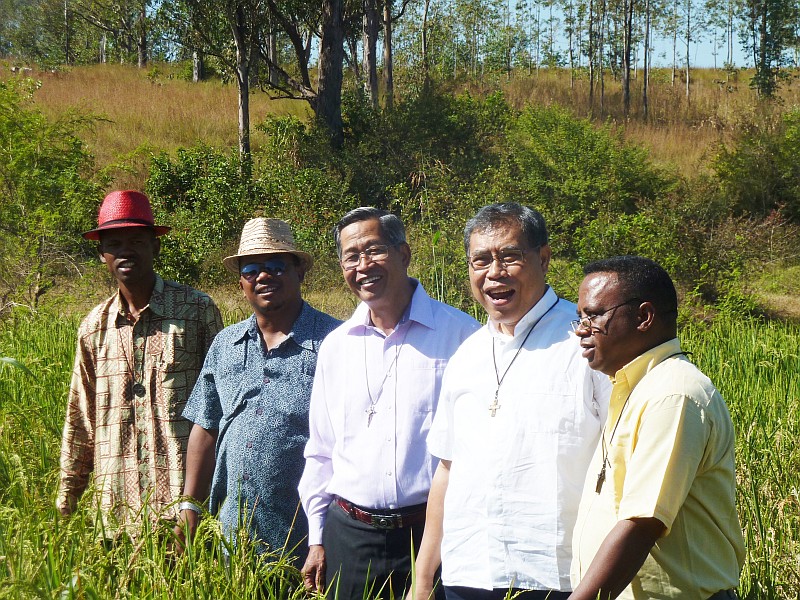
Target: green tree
x,y
48,195
767,35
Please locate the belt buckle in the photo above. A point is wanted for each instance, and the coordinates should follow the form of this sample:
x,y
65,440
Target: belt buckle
x,y
386,521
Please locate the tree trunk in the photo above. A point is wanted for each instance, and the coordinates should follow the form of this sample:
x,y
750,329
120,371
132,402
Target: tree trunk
x,y
674,40
242,70
328,105
425,66
197,66
646,78
102,56
627,36
67,40
591,53
388,61
141,37
688,40
370,47
272,53
601,48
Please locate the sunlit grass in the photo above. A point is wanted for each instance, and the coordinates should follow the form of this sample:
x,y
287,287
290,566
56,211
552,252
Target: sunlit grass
x,y
756,366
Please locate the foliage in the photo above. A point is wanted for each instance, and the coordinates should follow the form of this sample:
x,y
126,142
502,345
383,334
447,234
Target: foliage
x,y
204,196
755,364
576,173
48,194
760,173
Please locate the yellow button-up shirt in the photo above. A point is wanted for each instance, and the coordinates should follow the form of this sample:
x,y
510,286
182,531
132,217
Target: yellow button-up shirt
x,y
671,457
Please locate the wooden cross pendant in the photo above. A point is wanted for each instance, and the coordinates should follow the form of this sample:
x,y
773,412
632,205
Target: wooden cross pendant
x,y
601,477
494,405
370,411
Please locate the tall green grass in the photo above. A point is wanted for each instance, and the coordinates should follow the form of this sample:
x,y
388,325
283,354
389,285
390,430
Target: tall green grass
x,y
755,364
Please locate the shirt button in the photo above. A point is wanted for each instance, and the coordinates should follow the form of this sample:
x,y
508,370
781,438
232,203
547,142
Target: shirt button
x,y
245,477
249,444
389,473
259,411
266,379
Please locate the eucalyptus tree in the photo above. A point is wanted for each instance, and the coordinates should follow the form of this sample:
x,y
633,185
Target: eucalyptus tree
x,y
127,22
768,33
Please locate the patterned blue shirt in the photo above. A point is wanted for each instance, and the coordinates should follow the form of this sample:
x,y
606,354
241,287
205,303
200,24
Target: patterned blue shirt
x,y
258,401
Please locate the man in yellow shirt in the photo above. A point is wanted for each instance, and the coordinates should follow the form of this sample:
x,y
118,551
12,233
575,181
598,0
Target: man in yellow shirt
x,y
658,516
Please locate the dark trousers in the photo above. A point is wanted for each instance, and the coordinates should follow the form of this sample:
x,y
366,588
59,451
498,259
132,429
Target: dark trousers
x,y
465,593
363,561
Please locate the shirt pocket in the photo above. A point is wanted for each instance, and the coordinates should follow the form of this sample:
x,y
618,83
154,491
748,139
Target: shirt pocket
x,y
548,407
424,384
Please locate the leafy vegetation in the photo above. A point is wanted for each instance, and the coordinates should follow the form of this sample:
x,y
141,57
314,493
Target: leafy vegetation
x,y
754,363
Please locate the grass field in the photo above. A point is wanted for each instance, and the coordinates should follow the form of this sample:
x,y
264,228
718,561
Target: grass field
x,y
755,364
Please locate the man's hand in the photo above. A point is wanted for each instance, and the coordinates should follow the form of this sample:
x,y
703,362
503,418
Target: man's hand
x,y
185,529
314,570
421,590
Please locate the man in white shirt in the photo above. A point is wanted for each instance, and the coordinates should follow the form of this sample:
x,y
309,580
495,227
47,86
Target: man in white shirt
x,y
519,417
376,387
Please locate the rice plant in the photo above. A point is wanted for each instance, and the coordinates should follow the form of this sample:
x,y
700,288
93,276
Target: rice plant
x,y
755,364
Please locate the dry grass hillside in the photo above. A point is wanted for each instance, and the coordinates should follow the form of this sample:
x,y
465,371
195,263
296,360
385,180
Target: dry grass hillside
x,y
152,108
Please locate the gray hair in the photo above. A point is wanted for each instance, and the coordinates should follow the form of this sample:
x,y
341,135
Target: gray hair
x,y
503,213
392,229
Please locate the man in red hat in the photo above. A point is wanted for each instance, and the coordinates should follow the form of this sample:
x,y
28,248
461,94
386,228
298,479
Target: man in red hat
x,y
138,356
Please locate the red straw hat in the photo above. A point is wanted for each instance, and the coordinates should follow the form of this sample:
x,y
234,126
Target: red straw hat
x,y
124,208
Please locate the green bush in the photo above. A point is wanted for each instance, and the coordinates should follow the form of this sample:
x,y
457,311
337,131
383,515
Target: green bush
x,y
760,172
49,195
575,172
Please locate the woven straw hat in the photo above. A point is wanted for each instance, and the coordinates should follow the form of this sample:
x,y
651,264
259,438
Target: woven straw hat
x,y
266,236
124,208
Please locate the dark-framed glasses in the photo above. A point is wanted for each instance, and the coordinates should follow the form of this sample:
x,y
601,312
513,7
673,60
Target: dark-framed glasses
x,y
587,321
376,253
507,257
274,267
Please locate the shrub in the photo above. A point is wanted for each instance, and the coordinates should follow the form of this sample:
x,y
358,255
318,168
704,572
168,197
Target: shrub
x,y
49,194
575,172
760,172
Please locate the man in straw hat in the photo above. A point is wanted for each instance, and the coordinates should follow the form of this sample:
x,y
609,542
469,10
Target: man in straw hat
x,y
367,472
250,404
138,356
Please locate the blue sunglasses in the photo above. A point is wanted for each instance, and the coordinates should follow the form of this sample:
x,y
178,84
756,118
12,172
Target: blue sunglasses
x,y
274,267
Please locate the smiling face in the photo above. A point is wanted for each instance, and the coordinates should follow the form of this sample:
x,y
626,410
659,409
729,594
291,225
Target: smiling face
x,y
270,294
382,283
129,252
507,293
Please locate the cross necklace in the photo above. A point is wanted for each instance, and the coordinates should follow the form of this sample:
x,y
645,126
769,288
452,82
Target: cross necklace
x,y
373,401
494,405
601,476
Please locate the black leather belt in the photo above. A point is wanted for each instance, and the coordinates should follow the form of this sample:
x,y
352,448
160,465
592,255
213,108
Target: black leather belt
x,y
403,517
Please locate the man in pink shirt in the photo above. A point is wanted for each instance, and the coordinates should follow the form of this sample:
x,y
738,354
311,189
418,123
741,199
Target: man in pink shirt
x,y
376,387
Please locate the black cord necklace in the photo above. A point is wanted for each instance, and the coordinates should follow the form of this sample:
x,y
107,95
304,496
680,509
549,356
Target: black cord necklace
x,y
494,405
601,476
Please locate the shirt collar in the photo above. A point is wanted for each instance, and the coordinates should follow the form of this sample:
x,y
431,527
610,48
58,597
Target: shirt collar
x,y
156,304
632,373
302,330
419,310
534,314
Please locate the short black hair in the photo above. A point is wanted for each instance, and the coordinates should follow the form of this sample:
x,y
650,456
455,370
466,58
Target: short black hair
x,y
392,229
502,213
641,278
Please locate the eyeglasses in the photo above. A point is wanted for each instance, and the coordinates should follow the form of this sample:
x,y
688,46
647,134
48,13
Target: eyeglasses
x,y
275,267
508,257
377,253
587,322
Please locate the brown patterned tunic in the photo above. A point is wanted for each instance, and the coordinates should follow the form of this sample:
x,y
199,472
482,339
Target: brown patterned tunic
x,y
130,382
